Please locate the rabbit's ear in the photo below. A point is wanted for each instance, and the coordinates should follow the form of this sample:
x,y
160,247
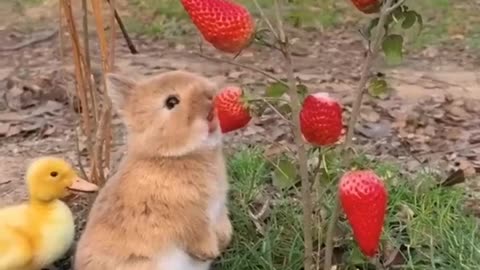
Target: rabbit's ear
x,y
119,88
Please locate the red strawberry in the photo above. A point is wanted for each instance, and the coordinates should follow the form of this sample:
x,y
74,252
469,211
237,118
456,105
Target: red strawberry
x,y
364,200
226,25
231,110
367,6
321,119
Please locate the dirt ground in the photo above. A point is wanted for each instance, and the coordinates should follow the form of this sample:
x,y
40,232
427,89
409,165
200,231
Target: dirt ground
x,y
430,118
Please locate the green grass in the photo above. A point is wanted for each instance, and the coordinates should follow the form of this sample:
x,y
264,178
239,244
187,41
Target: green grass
x,y
443,18
437,236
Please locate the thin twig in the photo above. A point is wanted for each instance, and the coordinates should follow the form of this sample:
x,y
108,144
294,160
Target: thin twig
x,y
125,34
387,8
111,51
329,237
371,55
31,41
278,16
265,19
276,111
252,68
267,99
88,66
395,6
79,64
71,98
103,134
78,151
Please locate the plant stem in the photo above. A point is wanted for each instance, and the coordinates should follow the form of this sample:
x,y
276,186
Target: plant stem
x,y
376,261
329,237
127,38
371,55
372,52
265,19
301,151
302,160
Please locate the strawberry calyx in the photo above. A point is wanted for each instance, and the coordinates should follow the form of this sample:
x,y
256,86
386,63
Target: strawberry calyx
x,y
246,100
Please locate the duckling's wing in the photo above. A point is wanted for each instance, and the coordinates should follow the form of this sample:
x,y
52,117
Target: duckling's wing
x,y
15,250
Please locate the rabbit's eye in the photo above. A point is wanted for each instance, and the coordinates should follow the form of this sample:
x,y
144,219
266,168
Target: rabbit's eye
x,y
171,102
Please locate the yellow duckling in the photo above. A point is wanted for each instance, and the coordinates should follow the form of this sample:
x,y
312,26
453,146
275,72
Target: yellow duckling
x,y
38,232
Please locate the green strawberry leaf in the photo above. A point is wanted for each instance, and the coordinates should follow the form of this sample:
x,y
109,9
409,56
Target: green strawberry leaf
x,y
367,32
276,89
420,22
377,87
398,14
302,90
392,47
246,97
258,109
356,256
285,174
409,19
285,109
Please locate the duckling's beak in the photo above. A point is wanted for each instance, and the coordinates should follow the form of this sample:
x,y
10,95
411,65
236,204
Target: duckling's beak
x,y
82,185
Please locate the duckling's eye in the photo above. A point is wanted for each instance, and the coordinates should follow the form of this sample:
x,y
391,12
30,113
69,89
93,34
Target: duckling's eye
x,y
171,102
53,174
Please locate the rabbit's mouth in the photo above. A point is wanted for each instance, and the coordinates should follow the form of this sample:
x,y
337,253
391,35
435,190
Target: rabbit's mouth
x,y
212,126
212,121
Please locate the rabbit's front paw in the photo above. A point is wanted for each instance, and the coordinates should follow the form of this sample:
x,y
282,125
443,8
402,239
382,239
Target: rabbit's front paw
x,y
206,249
224,232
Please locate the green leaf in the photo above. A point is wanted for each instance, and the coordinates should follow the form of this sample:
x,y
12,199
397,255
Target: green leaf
x,y
420,22
356,257
377,87
258,109
276,90
398,13
302,91
285,109
392,47
410,19
285,174
372,24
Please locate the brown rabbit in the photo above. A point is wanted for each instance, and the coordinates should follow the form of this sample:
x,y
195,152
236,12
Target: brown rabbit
x,y
165,208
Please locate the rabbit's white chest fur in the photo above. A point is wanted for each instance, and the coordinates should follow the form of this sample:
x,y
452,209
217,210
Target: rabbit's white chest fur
x,y
179,259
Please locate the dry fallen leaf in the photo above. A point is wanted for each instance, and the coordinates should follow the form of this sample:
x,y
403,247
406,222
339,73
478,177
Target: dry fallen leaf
x,y
457,112
375,130
14,130
13,98
454,133
49,130
4,127
4,181
467,167
368,114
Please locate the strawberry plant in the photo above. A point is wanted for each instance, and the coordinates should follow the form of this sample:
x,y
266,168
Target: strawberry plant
x,y
315,118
